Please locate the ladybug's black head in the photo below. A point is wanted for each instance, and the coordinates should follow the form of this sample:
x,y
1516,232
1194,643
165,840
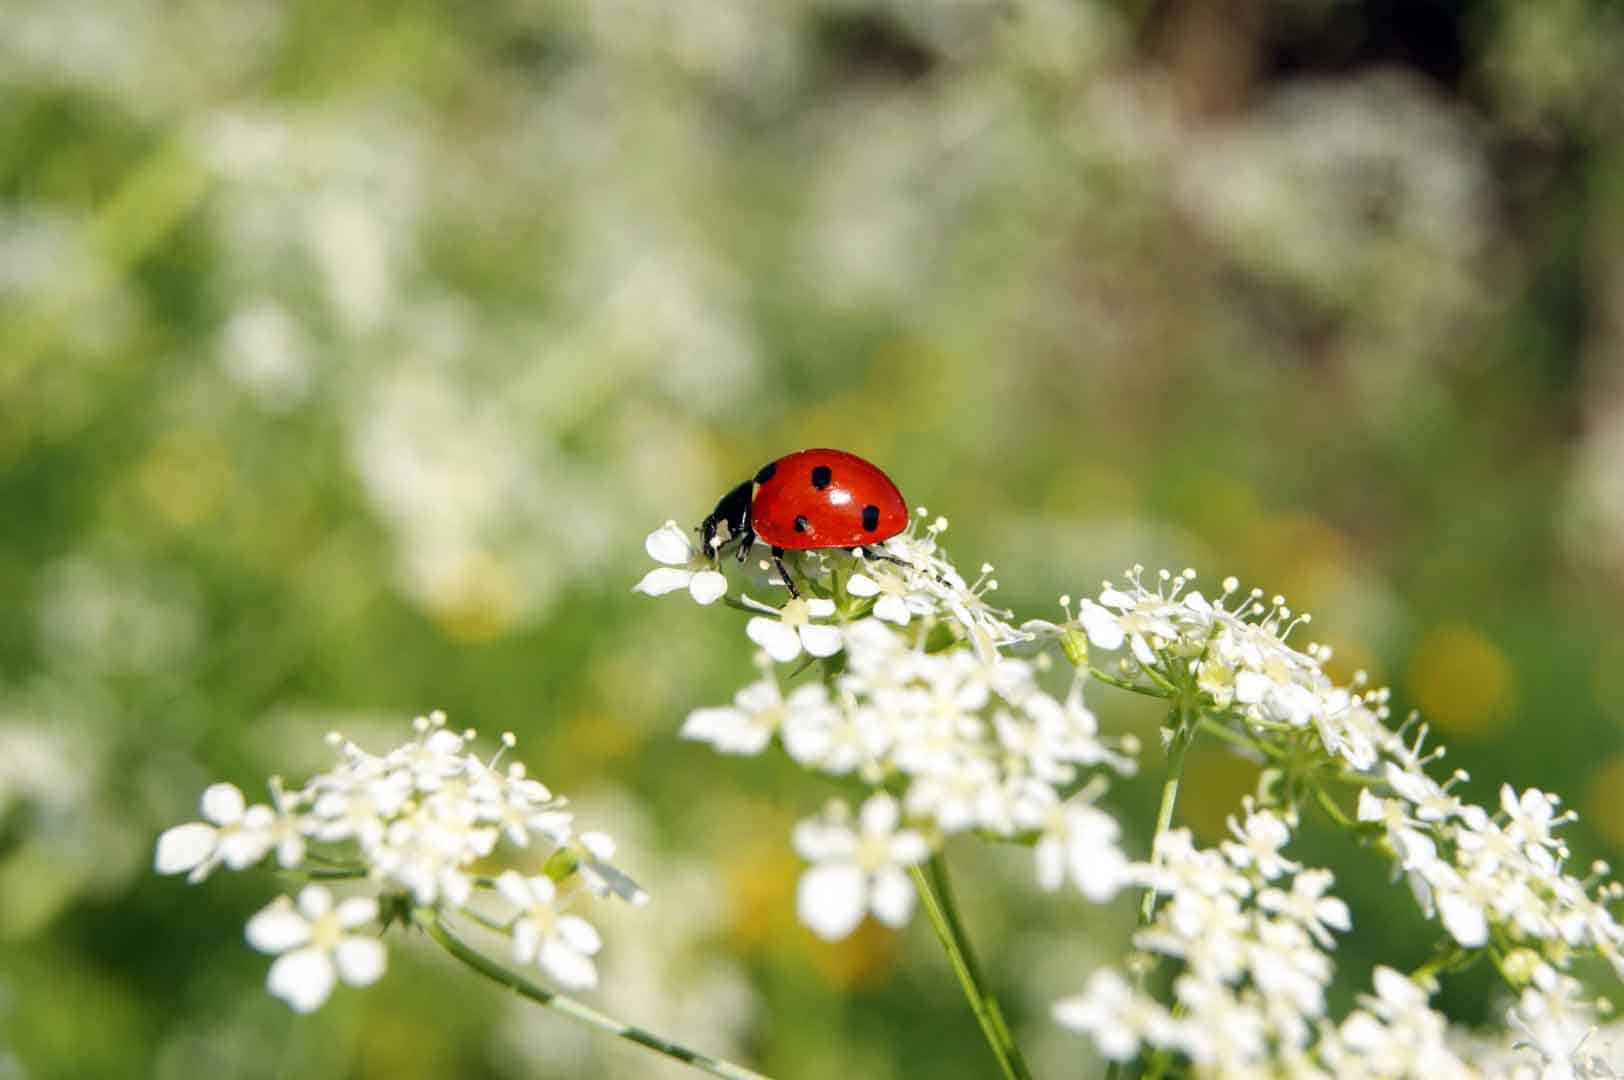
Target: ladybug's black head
x,y
728,522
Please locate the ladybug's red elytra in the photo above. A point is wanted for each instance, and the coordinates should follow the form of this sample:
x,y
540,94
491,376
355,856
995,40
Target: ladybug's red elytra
x,y
805,500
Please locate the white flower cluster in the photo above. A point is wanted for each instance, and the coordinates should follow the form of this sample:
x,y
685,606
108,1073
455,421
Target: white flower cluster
x,y
417,823
1477,872
1552,1032
922,701
1489,878
1252,930
1498,875
1233,650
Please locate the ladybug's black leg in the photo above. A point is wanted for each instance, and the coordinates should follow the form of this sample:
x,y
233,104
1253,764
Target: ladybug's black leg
x,y
783,572
885,556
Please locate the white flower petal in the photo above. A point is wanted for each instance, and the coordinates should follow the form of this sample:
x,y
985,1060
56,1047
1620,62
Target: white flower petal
x,y
706,724
240,850
830,899
1250,686
909,847
820,607
303,979
821,640
598,843
862,585
357,911
277,928
315,901
568,968
781,642
183,847
893,897
879,814
668,544
514,890
1102,628
223,804
360,960
526,941
893,609
579,934
663,579
707,587
1464,920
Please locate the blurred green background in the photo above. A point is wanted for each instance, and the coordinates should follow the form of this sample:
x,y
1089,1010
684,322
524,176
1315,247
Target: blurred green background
x,y
348,351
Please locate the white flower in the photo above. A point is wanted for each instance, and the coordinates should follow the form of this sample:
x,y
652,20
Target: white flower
x,y
1259,842
233,833
1531,816
1393,1034
897,602
1463,904
1117,1017
685,567
315,947
785,636
821,736
857,870
1080,842
758,712
1308,906
562,945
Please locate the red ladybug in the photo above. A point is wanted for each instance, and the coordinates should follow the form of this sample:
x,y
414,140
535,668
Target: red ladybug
x,y
805,500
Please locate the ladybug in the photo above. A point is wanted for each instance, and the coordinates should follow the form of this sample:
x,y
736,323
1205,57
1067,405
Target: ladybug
x,y
806,500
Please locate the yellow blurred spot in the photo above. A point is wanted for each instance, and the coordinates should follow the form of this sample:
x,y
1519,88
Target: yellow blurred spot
x,y
761,881
865,959
479,601
1347,658
1603,810
1462,682
1305,556
185,477
592,738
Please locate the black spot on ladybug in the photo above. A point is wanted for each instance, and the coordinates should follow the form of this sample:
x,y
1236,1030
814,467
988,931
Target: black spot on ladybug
x,y
821,477
800,523
871,517
766,472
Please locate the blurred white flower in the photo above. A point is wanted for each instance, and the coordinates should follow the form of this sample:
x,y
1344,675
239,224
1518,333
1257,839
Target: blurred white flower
x,y
1079,842
857,870
1257,843
759,712
1308,906
316,946
232,833
562,944
686,567
1115,1016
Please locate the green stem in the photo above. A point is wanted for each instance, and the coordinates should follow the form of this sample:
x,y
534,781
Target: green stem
x,y
1126,684
430,922
1332,810
1164,813
936,894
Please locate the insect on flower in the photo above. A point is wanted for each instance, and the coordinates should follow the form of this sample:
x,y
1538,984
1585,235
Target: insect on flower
x,y
804,501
